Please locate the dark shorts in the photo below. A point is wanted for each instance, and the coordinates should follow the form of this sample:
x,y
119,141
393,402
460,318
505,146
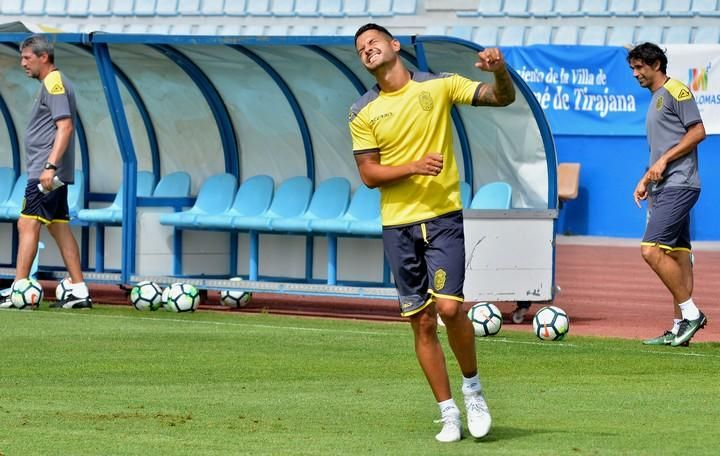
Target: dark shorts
x,y
51,207
668,225
427,260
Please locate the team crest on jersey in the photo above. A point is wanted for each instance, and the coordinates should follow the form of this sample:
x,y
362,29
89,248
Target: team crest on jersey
x,y
426,101
439,279
659,103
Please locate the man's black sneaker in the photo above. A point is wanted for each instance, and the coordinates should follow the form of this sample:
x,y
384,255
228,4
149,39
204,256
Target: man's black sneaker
x,y
73,302
688,328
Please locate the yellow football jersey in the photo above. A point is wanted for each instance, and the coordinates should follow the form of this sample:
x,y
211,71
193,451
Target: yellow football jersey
x,y
405,125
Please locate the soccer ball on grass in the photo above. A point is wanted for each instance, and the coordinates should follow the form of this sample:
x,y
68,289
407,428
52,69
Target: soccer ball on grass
x,y
551,323
146,295
486,319
26,292
182,297
235,297
63,289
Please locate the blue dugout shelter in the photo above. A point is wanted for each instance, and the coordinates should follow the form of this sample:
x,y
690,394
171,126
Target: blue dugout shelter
x,y
151,106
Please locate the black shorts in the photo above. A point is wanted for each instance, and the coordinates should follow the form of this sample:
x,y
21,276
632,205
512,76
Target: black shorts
x,y
427,260
668,225
47,208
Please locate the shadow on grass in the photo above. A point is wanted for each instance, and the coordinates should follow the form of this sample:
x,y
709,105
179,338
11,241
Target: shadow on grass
x,y
505,433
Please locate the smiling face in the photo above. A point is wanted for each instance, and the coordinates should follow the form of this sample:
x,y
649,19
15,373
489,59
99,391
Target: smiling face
x,y
646,75
376,50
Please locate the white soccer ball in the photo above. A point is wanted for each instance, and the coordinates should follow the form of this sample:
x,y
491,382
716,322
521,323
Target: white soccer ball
x,y
235,297
182,297
146,295
551,323
164,296
486,319
26,292
63,289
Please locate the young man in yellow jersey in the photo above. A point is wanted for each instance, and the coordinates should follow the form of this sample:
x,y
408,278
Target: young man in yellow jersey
x,y
403,143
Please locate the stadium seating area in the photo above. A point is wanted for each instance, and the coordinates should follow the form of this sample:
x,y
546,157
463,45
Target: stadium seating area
x,y
487,22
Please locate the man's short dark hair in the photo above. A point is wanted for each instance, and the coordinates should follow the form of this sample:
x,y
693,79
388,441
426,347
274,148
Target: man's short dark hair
x,y
40,45
649,54
372,26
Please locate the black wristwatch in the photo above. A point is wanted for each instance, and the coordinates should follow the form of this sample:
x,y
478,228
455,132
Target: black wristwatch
x,y
49,165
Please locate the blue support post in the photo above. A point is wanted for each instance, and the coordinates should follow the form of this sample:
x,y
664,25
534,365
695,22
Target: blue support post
x,y
332,259
254,254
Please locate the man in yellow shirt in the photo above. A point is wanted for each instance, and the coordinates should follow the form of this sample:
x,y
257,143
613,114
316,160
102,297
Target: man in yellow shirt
x,y
403,144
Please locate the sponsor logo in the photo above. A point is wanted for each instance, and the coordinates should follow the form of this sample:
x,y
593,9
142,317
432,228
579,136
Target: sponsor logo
x,y
426,101
381,117
439,279
698,78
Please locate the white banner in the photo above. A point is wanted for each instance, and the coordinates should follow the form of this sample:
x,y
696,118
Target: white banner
x,y
698,67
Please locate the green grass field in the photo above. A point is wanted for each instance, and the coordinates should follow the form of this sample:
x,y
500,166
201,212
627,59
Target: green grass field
x,y
114,381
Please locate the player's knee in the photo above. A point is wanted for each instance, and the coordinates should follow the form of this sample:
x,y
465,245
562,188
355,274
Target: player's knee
x,y
651,253
448,309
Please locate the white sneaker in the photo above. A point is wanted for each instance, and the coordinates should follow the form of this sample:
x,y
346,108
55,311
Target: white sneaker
x,y
452,427
6,303
478,415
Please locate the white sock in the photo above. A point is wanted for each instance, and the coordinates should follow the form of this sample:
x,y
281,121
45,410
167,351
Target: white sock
x,y
448,407
471,385
689,311
80,290
676,326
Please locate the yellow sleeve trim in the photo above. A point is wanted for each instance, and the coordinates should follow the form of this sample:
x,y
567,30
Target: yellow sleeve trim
x,y
53,83
678,90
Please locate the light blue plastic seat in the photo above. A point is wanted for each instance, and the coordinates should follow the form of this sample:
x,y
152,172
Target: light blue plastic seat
x,y
705,8
235,8
677,34
122,7
331,8
11,207
465,194
113,214
495,195
173,185
566,34
355,8
56,8
404,6
78,7
541,8
649,33
512,35
34,7
257,8
76,194
437,30
214,7
485,35
253,197
283,8
188,7
169,7
538,34
678,8
329,201
568,8
593,35
144,8
596,8
214,197
707,34
380,8
621,35
461,31
650,8
291,200
623,8
99,8
13,7
364,211
306,8
7,182
486,8
516,8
